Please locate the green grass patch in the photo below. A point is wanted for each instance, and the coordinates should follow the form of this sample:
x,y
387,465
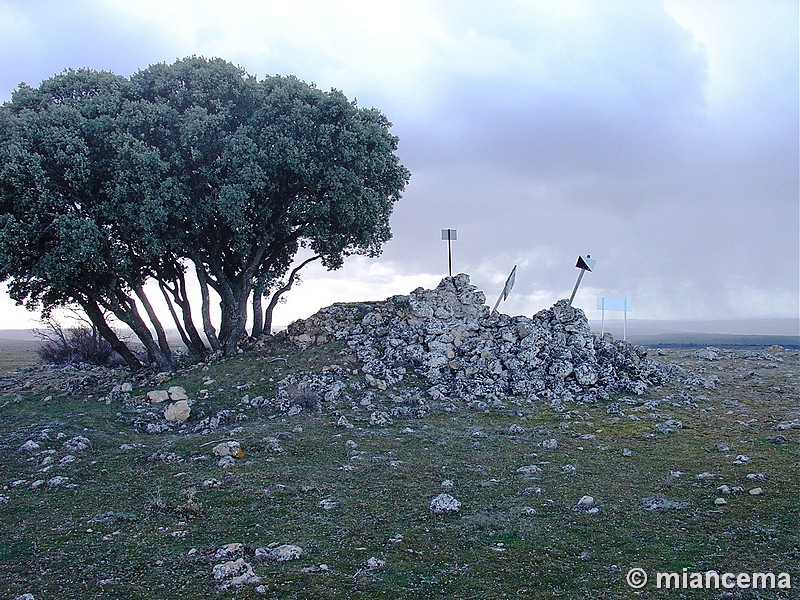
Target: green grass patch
x,y
144,522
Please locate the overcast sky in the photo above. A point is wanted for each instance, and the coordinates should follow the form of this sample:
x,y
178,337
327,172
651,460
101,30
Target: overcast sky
x,y
661,137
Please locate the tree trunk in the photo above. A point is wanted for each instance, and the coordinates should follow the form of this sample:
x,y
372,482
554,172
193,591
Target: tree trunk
x,y
98,320
186,308
163,344
175,319
258,315
282,290
125,310
208,328
234,317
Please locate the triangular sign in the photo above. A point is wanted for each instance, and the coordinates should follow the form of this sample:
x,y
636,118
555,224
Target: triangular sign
x,y
581,264
510,283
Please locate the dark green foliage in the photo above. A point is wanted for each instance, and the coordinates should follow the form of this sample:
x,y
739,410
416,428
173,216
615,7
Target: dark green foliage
x,y
107,183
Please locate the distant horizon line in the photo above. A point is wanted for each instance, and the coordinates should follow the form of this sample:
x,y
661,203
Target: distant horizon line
x,y
789,326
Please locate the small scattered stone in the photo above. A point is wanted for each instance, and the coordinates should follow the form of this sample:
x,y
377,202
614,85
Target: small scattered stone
x,y
283,552
588,505
373,563
447,483
229,550
530,471
58,481
661,503
379,419
627,452
234,573
177,393
708,354
226,462
720,501
444,503
327,503
550,444
29,446
515,430
231,448
77,444
756,476
126,447
741,459
157,396
756,491
272,445
668,426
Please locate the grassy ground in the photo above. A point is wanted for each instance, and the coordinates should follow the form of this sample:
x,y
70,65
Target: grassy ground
x,y
144,522
11,360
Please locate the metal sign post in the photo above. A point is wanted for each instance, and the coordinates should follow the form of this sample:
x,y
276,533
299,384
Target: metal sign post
x,y
585,263
506,288
623,304
450,235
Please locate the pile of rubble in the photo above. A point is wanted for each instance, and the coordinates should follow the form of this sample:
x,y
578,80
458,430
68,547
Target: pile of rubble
x,y
448,337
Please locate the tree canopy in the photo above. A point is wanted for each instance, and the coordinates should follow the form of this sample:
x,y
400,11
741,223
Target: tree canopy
x,y
194,169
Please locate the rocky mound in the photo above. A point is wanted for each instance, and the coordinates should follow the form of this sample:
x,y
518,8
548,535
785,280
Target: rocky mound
x,y
448,337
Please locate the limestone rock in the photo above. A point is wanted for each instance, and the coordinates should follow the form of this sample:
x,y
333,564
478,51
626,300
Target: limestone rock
x,y
587,504
28,446
530,471
444,503
177,393
281,552
234,573
230,448
77,444
158,396
177,412
448,336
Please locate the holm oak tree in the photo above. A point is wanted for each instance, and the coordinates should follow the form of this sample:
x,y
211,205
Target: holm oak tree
x,y
189,170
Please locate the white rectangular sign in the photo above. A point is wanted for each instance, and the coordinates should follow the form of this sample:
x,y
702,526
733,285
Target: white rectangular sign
x,y
607,303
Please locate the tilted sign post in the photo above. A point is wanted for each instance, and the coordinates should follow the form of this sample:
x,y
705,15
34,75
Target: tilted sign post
x,y
507,288
450,235
623,304
585,263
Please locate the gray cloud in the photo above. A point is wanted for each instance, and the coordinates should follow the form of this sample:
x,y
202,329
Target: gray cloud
x,y
664,143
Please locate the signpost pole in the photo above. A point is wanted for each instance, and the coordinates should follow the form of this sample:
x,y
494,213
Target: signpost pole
x,y
449,255
585,263
575,289
450,235
602,316
623,304
625,323
506,288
